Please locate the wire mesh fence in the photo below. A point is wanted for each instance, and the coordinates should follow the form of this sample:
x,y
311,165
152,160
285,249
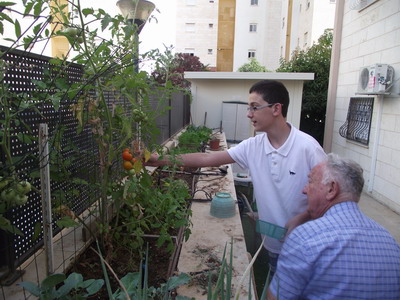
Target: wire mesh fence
x,y
74,165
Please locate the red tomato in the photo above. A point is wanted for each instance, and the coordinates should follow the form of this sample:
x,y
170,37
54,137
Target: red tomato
x,y
127,156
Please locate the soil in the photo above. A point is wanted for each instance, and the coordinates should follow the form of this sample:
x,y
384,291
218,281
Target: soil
x,y
123,261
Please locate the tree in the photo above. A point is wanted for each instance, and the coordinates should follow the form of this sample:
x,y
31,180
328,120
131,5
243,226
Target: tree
x,y
171,68
316,60
253,66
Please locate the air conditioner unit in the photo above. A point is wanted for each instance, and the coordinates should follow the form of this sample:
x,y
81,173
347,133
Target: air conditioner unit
x,y
375,79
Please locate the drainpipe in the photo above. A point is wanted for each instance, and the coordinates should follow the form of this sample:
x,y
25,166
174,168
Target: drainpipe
x,y
374,157
333,76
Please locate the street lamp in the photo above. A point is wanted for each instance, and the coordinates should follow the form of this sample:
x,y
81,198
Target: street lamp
x,y
136,11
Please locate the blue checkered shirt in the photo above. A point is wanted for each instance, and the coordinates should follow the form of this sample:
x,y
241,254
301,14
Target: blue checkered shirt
x,y
342,255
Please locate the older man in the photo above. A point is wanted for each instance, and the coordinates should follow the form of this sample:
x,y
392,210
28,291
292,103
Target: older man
x,y
341,253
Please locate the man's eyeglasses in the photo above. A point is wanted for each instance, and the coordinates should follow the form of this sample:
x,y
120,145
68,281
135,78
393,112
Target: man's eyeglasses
x,y
257,108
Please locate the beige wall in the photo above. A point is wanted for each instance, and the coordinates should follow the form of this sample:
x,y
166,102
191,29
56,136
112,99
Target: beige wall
x,y
371,36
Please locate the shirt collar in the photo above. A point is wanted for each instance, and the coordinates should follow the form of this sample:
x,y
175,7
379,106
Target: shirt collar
x,y
285,148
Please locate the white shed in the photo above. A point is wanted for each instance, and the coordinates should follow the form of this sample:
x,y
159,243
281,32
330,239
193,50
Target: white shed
x,y
210,90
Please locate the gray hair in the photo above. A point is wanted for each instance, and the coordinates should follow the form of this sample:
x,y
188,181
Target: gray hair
x,y
346,172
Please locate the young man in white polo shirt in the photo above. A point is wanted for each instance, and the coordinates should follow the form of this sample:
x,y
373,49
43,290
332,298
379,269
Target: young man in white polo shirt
x,y
279,160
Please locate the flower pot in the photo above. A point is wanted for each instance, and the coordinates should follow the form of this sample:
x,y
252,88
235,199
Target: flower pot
x,y
214,144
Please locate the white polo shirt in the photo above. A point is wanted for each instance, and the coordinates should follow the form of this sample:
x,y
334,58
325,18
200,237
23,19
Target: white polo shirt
x,y
279,175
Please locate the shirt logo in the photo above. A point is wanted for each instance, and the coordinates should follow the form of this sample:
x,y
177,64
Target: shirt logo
x,y
292,173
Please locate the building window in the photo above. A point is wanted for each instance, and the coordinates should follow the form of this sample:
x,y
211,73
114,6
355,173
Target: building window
x,y
332,1
305,39
190,27
308,4
210,51
253,2
283,22
189,51
211,1
358,122
211,25
300,7
251,53
253,27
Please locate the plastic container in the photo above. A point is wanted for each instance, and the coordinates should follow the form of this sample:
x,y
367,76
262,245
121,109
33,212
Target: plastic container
x,y
223,206
271,230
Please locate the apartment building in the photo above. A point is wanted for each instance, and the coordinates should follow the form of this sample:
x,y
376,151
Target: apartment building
x,y
303,22
225,34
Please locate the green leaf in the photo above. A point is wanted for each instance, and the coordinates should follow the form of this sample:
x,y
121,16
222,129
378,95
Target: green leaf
x,y
66,222
104,23
24,138
1,28
37,9
3,16
39,84
93,287
4,3
176,281
37,231
55,99
87,11
30,287
37,28
17,27
52,280
80,181
28,8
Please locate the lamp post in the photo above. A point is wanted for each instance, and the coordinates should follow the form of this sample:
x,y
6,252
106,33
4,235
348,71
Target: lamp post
x,y
136,12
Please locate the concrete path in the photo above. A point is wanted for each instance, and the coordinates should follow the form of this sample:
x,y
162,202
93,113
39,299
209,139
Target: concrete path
x,y
381,214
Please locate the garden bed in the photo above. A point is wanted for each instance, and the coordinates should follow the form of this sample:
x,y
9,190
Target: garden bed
x,y
161,263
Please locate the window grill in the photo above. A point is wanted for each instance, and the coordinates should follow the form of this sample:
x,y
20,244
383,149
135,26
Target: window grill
x,y
358,122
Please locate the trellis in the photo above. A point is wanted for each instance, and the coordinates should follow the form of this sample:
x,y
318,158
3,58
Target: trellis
x,y
23,68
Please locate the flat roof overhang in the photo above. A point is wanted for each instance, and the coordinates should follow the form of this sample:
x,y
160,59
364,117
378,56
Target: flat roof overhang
x,y
249,75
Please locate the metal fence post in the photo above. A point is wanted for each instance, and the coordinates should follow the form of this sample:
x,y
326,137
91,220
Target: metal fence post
x,y
46,197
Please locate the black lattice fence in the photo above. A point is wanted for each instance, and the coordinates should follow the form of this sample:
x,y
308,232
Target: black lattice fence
x,y
75,151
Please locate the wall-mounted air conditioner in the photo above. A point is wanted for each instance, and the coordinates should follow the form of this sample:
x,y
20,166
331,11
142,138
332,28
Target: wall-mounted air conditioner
x,y
375,79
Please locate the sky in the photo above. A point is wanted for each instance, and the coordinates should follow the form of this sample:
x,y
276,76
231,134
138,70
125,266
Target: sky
x,y
155,33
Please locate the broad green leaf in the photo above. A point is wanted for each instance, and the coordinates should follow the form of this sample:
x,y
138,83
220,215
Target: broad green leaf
x,y
17,28
104,23
176,281
92,286
30,287
52,280
87,11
